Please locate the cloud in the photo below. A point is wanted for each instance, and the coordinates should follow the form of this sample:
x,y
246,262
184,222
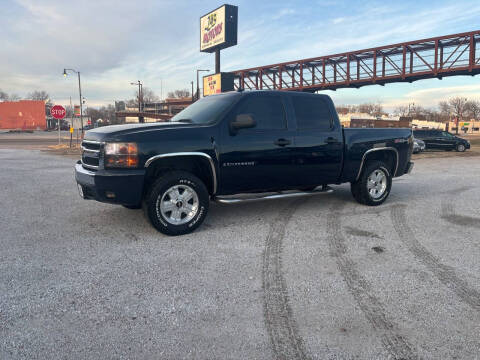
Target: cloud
x,y
113,43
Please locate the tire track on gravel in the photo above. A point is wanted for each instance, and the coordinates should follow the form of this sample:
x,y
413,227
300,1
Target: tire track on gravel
x,y
395,344
450,215
279,320
444,273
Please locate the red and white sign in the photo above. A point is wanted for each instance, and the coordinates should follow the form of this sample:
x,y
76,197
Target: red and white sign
x,y
58,112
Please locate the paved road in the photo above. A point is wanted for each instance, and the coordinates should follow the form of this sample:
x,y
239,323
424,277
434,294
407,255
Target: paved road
x,y
36,140
322,278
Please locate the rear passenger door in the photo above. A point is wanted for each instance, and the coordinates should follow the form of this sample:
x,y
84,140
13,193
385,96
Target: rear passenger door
x,y
318,140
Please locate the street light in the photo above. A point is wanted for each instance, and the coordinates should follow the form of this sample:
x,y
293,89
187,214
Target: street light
x,y
198,88
79,93
140,100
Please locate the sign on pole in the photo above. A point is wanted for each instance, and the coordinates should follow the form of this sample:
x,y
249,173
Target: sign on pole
x,y
217,83
218,29
58,112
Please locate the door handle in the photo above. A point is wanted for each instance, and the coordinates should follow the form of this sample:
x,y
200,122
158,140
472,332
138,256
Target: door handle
x,y
331,140
282,142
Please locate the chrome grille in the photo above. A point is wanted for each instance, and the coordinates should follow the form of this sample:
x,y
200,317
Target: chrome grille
x,y
91,151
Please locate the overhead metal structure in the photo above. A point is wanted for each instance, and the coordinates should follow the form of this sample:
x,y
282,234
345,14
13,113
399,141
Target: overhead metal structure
x,y
450,55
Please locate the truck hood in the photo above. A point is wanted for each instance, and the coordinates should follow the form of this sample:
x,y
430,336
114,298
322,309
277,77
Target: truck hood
x,y
113,132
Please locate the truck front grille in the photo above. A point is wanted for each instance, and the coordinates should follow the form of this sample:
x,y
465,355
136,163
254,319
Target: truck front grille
x,y
91,151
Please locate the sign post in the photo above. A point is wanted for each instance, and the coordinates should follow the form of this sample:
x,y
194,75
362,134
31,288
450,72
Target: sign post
x,y
218,30
71,135
58,112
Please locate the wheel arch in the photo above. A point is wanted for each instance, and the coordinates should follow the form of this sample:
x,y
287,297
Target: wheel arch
x,y
387,154
198,163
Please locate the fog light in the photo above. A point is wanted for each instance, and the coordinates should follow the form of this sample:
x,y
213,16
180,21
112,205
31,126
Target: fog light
x,y
109,194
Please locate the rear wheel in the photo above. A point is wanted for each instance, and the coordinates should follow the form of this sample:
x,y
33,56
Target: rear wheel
x,y
374,184
177,203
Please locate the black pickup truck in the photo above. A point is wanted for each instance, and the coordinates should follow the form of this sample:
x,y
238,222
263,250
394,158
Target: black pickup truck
x,y
243,142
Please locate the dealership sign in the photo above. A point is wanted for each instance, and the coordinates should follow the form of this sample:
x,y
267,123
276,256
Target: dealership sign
x,y
217,83
58,112
218,29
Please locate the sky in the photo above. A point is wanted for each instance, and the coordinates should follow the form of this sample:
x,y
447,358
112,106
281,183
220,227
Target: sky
x,y
113,43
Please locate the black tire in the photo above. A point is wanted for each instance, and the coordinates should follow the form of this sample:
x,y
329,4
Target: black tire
x,y
360,190
133,207
158,192
461,148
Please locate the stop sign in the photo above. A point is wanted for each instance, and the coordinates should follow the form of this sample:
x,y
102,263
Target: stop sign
x,y
58,112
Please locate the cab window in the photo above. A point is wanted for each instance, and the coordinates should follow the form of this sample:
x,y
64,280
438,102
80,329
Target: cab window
x,y
267,111
312,112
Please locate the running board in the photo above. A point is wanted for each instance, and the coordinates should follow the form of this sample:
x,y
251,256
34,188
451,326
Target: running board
x,y
280,195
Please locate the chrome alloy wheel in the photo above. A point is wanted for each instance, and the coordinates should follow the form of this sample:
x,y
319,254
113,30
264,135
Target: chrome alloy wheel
x,y
179,204
377,184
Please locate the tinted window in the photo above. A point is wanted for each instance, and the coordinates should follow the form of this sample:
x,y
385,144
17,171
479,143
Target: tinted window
x,y
205,110
447,134
266,110
312,112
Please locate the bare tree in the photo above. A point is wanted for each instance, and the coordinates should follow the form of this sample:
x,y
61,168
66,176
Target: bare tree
x,y
179,93
3,95
458,106
473,109
14,97
38,95
401,110
149,95
444,108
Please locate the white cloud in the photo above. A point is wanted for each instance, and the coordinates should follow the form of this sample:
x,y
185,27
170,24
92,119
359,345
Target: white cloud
x,y
114,43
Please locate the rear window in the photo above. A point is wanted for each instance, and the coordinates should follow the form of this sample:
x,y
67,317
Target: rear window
x,y
312,112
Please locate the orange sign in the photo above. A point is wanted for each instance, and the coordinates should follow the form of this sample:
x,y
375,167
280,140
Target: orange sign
x,y
212,84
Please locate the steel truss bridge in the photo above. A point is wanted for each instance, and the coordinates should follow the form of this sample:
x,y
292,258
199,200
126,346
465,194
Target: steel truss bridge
x,y
450,55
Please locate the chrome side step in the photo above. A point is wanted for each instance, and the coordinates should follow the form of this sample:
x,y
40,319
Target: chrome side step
x,y
268,196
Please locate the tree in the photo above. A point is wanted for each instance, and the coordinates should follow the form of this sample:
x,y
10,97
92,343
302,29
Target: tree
x,y
458,106
473,109
3,95
14,97
179,93
401,110
148,95
38,95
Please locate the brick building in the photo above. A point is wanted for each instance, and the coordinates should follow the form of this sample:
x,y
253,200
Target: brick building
x,y
23,114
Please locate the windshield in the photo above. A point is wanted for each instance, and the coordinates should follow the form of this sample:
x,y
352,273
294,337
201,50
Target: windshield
x,y
205,110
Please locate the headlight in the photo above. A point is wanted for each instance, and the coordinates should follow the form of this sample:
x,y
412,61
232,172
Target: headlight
x,y
121,155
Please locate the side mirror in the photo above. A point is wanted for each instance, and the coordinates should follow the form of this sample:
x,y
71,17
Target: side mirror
x,y
243,121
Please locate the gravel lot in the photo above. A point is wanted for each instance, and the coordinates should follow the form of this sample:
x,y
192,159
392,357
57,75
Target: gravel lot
x,y
311,278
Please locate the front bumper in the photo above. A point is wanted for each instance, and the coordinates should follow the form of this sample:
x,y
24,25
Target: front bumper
x,y
123,187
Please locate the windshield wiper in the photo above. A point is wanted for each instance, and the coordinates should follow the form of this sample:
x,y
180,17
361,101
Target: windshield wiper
x,y
185,120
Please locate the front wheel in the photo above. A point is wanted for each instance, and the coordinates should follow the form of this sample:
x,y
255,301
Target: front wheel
x,y
460,148
177,203
374,184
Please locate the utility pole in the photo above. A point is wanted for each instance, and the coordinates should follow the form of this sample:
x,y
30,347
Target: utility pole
x,y
192,90
79,93
140,100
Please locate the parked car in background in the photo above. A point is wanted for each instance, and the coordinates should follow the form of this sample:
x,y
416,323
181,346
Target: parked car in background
x,y
438,139
418,146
